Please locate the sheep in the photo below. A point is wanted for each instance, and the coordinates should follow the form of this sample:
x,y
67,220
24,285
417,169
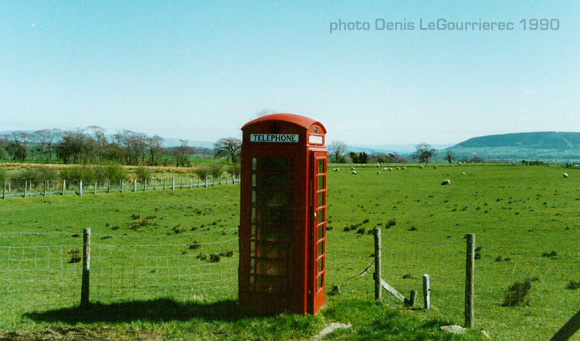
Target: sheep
x,y
353,172
404,168
378,173
565,175
351,168
446,182
462,173
390,169
421,167
364,165
385,169
336,169
398,168
434,167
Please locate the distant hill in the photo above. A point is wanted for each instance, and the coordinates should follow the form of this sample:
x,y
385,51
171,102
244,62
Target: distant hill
x,y
548,146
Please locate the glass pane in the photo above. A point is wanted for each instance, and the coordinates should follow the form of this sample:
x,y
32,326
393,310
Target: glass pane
x,y
271,284
321,182
320,232
273,181
321,216
273,215
321,166
320,248
254,180
254,163
320,265
273,164
272,250
253,230
271,267
321,199
253,197
274,199
273,233
320,282
253,214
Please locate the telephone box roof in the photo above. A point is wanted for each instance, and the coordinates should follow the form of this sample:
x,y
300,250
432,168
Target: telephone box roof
x,y
298,120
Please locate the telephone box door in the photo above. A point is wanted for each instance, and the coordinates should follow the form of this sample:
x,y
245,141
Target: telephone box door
x,y
318,230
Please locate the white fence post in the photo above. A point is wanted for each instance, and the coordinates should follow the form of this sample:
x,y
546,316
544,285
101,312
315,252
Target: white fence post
x,y
426,292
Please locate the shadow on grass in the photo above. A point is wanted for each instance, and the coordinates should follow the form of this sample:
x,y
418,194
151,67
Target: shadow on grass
x,y
158,310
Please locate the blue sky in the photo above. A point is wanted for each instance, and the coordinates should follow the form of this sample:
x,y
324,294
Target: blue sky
x,y
200,69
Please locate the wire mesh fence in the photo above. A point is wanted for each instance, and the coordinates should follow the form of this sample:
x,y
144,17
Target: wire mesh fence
x,y
516,294
186,266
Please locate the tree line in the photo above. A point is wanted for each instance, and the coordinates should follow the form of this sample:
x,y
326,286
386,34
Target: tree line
x,y
92,146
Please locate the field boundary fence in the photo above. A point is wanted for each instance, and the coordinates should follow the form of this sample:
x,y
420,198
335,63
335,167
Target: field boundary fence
x,y
534,295
80,187
479,286
69,270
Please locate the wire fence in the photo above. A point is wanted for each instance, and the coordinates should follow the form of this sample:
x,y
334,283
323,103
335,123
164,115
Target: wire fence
x,y
44,271
80,187
186,266
516,296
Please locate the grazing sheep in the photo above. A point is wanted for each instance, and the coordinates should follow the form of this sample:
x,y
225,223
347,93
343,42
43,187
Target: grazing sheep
x,y
421,167
353,172
404,168
398,168
385,168
390,169
379,173
463,173
351,168
445,182
434,167
364,165
336,169
565,175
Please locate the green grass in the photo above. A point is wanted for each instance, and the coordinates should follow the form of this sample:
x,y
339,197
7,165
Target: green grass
x,y
519,215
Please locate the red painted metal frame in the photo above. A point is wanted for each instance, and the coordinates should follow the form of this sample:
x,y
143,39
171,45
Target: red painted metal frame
x,y
300,296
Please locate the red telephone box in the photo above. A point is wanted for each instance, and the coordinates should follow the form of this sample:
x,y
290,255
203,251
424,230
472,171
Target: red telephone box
x,y
283,215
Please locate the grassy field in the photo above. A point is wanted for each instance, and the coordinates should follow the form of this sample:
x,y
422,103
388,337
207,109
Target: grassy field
x,y
149,280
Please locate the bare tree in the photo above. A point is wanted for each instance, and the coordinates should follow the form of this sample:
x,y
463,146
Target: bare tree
x,y
337,150
228,147
449,156
424,152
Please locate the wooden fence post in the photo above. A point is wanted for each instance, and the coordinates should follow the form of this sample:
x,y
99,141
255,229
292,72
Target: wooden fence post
x,y
81,188
86,267
377,275
173,184
121,185
135,186
108,186
95,188
4,191
426,292
469,280
63,187
25,187
45,185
